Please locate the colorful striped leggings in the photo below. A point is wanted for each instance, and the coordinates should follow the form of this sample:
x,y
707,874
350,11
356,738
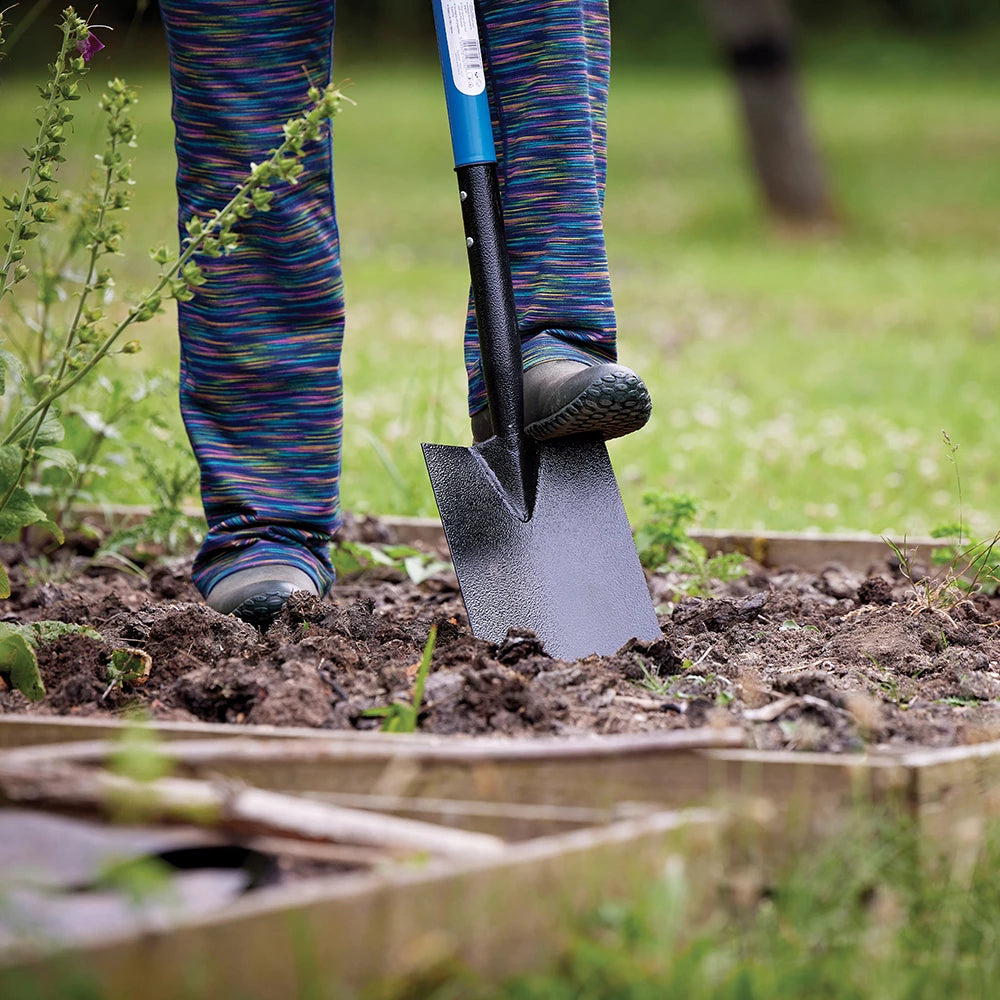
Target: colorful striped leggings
x,y
260,382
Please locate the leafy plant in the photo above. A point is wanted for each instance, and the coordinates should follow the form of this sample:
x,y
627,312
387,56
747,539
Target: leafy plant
x,y
18,661
103,430
352,557
33,377
973,567
127,666
400,718
654,682
664,545
168,529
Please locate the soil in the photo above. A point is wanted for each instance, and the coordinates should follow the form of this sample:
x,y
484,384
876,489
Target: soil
x,y
832,661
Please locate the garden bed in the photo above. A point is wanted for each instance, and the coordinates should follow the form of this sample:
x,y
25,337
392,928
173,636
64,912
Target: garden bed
x,y
282,888
340,860
840,654
531,777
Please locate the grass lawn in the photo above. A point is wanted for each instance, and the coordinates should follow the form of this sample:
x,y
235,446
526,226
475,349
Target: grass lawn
x,y
799,382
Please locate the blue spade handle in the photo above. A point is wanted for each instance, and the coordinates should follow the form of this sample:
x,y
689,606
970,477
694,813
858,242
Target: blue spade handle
x,y
464,81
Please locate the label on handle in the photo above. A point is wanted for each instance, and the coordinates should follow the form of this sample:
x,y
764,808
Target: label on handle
x,y
462,37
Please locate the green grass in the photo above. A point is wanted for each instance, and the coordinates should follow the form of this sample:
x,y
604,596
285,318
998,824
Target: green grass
x,y
799,382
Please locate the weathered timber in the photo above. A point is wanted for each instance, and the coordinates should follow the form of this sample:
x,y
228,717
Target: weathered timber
x,y
25,781
330,936
810,552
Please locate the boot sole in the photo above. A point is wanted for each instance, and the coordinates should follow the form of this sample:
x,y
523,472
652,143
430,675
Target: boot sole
x,y
262,610
616,404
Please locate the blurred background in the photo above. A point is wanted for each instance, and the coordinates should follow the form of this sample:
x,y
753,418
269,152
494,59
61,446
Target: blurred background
x,y
803,219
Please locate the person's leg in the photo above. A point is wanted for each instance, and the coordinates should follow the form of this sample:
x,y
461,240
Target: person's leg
x,y
260,342
549,67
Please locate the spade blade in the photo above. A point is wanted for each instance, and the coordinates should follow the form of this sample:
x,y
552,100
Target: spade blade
x,y
569,571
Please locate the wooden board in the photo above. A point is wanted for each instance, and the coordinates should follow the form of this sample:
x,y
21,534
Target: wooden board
x,y
672,769
331,936
414,774
955,792
811,552
396,922
774,549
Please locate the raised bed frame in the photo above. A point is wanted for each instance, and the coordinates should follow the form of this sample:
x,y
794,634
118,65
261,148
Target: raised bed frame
x,y
584,820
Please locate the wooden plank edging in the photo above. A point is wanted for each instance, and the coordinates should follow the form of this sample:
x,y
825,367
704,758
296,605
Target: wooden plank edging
x,y
357,929
809,551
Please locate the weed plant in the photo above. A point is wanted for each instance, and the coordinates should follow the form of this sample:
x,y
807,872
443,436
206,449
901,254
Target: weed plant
x,y
963,567
665,546
355,557
400,718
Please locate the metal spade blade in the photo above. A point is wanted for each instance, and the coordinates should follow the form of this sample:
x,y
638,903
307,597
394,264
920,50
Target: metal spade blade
x,y
569,572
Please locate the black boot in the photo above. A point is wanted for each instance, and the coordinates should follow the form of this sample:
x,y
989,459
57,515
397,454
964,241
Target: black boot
x,y
257,594
569,397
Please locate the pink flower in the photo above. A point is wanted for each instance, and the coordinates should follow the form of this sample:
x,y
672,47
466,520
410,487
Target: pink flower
x,y
89,47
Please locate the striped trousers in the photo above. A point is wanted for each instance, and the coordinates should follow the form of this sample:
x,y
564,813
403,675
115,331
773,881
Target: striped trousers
x,y
260,378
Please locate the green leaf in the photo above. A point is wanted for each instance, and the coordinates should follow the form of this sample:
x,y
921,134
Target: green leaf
x,y
51,431
20,512
39,633
4,583
400,552
397,718
60,458
403,721
129,666
948,531
416,568
18,665
10,466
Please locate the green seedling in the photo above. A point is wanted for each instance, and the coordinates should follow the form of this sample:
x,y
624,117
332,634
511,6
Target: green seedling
x,y
399,718
889,686
664,545
168,529
18,660
789,625
353,557
127,667
653,682
724,698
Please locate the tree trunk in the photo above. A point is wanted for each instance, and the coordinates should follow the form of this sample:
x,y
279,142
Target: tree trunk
x,y
757,40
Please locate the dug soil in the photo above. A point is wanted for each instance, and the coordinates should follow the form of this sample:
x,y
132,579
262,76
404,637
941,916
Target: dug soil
x,y
803,661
